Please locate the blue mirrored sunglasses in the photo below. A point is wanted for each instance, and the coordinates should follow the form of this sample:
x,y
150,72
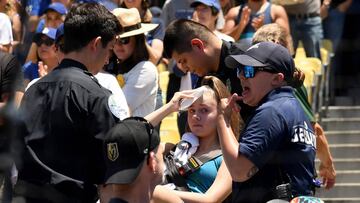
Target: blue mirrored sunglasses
x,y
250,71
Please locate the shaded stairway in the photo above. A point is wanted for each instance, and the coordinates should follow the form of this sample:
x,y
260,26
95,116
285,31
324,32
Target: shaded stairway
x,y
342,128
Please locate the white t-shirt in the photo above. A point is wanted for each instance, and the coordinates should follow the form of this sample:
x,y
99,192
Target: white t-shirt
x,y
117,102
140,88
6,36
224,36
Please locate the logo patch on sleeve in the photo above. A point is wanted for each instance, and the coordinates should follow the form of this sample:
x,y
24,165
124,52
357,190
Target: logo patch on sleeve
x,y
116,108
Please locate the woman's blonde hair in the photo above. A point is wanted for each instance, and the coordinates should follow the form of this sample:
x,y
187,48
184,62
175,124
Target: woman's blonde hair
x,y
220,91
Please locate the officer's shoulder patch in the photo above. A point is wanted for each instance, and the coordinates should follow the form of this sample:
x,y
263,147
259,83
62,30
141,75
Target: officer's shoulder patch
x,y
118,110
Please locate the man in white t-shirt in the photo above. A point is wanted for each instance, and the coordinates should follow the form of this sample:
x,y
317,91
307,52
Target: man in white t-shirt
x,y
6,36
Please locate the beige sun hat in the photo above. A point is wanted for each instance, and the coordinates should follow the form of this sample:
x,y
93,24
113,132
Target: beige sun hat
x,y
131,22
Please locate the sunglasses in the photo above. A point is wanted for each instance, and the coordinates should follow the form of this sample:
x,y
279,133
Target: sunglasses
x,y
149,130
250,71
44,40
123,41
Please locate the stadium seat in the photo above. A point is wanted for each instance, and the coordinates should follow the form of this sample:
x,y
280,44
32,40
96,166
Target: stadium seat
x,y
313,70
168,129
326,57
164,80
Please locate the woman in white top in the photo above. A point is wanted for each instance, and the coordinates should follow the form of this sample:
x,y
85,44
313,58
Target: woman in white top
x,y
135,73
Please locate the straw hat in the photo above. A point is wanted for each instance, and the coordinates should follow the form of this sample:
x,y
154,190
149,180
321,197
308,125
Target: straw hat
x,y
131,22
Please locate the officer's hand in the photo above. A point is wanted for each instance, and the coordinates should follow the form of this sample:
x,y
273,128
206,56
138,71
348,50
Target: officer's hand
x,y
328,174
228,105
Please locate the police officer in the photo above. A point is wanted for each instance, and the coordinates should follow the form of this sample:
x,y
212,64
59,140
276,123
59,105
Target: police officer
x,y
67,113
274,158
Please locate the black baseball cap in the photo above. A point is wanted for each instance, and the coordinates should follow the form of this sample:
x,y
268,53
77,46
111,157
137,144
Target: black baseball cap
x,y
265,54
126,146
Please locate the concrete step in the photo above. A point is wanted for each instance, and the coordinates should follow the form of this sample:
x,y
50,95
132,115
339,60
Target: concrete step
x,y
348,151
342,111
339,124
343,101
343,137
340,190
345,176
350,176
343,164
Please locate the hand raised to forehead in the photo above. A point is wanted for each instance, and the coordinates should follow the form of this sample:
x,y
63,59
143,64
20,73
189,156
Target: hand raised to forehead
x,y
228,105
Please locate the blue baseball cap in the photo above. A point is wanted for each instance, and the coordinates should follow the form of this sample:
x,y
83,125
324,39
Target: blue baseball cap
x,y
48,31
265,54
57,7
210,3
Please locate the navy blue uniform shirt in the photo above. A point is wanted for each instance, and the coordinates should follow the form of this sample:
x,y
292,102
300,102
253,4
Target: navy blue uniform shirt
x,y
66,115
280,141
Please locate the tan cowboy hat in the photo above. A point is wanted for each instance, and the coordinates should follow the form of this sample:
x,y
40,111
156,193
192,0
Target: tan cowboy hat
x,y
131,22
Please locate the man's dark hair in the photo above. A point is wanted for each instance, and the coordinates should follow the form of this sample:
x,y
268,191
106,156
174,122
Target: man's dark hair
x,y
87,21
179,33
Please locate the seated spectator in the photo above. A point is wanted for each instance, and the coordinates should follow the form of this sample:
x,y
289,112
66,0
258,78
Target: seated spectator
x,y
154,37
130,63
46,52
12,8
242,21
54,16
134,162
44,69
6,35
206,13
208,179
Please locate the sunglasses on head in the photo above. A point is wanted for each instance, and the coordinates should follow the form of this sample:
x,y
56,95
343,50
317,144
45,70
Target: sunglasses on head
x,y
44,40
149,130
250,71
123,41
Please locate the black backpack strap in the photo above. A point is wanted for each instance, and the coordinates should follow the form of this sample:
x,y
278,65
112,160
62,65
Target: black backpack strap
x,y
177,174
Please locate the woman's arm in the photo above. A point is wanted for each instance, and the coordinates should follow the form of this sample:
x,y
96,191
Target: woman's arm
x,y
155,117
32,55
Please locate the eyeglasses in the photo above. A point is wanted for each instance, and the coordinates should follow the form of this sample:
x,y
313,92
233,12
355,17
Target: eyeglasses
x,y
44,40
250,71
123,41
149,130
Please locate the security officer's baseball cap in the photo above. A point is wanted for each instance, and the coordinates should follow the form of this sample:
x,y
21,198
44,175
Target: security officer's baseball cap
x,y
127,145
265,54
